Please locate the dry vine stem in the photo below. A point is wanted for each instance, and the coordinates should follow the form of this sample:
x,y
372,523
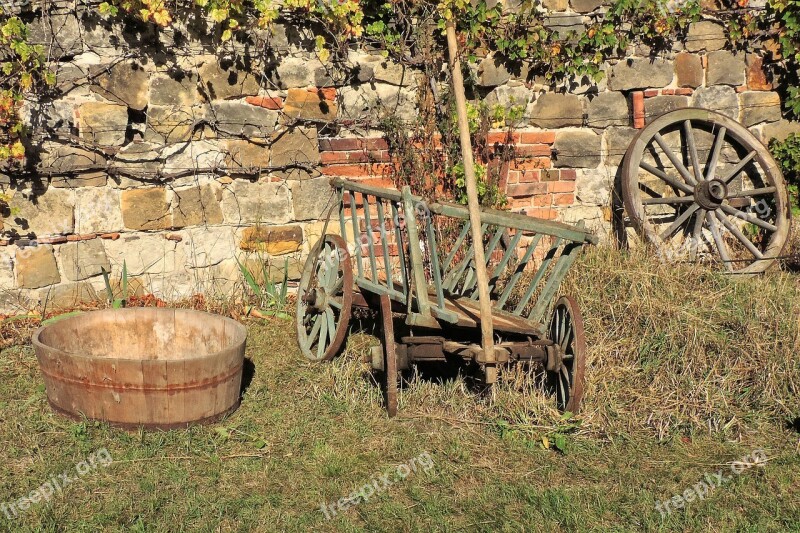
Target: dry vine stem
x,y
487,332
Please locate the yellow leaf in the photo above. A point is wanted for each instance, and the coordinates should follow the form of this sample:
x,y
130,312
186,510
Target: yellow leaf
x,y
226,35
545,443
17,150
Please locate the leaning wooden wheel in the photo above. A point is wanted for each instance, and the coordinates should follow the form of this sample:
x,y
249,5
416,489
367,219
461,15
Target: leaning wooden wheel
x,y
566,331
325,299
700,187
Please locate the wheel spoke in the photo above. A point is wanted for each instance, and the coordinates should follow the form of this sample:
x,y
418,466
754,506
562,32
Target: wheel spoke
x,y
696,234
753,192
751,219
322,337
687,125
314,332
331,322
739,235
722,248
677,163
738,168
711,168
561,389
336,303
663,175
678,221
669,200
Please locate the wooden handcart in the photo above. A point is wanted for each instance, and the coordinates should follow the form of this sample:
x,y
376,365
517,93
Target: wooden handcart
x,y
412,261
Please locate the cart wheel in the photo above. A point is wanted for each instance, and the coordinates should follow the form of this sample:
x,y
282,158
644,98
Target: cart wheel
x,y
566,330
699,186
325,299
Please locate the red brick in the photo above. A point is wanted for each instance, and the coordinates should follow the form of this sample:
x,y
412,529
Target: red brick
x,y
684,91
268,102
110,236
533,163
568,174
384,183
502,137
356,171
637,97
526,189
542,212
756,76
535,150
741,88
517,203
650,93
536,137
529,176
668,92
563,199
543,200
561,186
84,237
551,175
352,145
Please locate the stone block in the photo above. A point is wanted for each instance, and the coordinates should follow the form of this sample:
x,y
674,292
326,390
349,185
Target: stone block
x,y
69,295
60,34
617,142
557,110
173,124
563,25
295,146
97,211
254,203
376,100
126,83
555,5
207,247
84,259
577,149
297,72
43,214
90,179
658,105
312,198
196,206
103,124
594,188
193,156
492,72
146,254
757,79
55,159
242,154
242,119
720,98
586,6
689,69
222,81
608,109
705,35
725,68
640,74
139,157
174,89
304,104
146,209
759,106
779,130
36,267
274,240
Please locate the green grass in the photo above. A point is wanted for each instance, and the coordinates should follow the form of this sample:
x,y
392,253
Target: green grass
x,y
310,433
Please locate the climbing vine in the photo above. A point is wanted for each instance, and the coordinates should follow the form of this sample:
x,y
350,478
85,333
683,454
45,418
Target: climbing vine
x,y
411,32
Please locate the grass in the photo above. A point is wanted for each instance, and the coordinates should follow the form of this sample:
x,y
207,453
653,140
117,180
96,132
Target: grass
x,y
688,371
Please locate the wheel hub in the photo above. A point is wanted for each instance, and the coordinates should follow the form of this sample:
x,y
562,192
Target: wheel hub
x,y
316,299
710,194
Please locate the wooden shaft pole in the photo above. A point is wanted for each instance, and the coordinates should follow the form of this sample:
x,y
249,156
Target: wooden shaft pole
x,y
487,331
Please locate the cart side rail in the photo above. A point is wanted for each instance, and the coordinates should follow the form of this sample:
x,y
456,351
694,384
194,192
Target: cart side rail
x,y
527,258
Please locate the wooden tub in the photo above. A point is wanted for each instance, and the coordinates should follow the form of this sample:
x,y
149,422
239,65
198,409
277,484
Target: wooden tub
x,y
152,367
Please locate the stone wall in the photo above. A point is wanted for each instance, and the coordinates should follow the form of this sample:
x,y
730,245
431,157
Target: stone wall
x,y
178,159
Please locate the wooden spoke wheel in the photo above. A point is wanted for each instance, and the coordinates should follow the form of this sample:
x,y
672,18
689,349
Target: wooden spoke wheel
x,y
325,299
700,187
566,330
